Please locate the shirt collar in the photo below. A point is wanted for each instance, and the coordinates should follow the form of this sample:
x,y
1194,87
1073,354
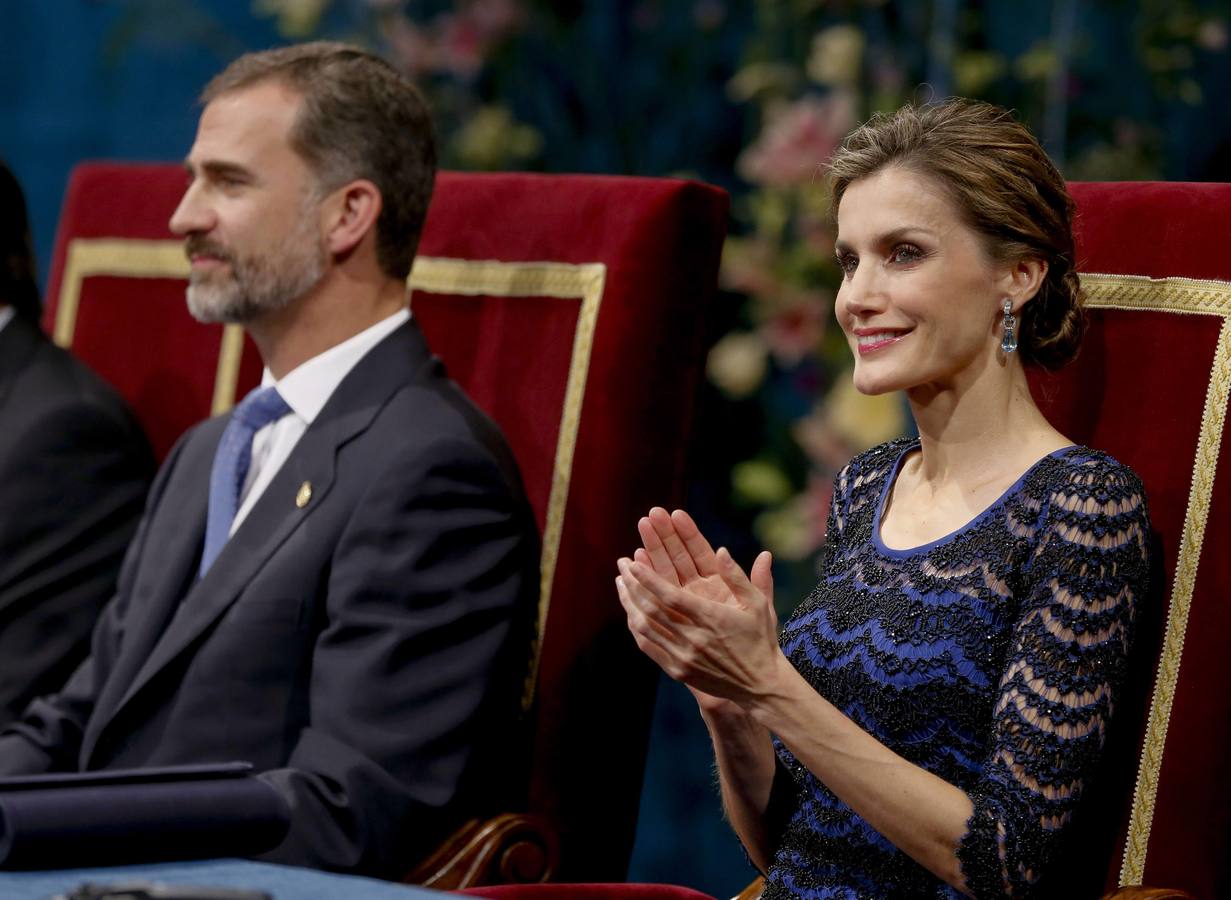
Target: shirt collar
x,y
307,388
6,315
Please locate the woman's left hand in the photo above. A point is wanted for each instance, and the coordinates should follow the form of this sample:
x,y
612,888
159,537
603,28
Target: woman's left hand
x,y
714,627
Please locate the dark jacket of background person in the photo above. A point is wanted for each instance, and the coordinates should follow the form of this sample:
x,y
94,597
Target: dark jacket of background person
x,y
74,470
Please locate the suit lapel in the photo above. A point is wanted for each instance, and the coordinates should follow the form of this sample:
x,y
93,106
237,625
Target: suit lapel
x,y
273,518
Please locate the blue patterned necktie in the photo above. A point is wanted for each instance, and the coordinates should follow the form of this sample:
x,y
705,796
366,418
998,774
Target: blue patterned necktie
x,y
231,463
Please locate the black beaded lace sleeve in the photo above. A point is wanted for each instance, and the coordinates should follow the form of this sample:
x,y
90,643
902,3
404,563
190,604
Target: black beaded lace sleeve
x,y
1079,585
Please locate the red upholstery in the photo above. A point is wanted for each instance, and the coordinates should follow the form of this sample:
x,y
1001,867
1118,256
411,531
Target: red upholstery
x,y
131,324
634,260
586,892
1139,391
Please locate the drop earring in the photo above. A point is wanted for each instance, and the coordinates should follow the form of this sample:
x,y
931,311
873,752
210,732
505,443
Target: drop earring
x,y
1008,340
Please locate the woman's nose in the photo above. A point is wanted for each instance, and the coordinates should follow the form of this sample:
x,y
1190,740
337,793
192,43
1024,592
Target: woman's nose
x,y
861,294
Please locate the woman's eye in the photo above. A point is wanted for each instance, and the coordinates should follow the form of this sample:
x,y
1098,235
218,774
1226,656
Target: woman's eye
x,y
905,253
848,262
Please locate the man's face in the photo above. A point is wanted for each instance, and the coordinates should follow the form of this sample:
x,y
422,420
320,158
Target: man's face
x,y
250,216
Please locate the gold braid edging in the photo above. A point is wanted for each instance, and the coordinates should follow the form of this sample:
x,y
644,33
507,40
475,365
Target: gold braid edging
x,y
535,279
121,257
111,256
1191,297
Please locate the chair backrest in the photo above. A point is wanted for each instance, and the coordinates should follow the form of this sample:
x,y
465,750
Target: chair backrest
x,y
571,308
1151,388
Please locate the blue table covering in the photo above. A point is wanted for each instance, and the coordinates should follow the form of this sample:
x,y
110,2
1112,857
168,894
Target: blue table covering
x,y
282,882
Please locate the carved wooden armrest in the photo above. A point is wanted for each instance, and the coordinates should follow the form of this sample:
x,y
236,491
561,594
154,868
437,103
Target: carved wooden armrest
x,y
753,891
511,848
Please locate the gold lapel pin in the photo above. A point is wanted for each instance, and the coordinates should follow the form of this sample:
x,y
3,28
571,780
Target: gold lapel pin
x,y
304,495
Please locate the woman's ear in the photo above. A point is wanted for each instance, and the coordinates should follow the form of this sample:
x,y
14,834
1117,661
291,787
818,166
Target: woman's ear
x,y
351,213
1023,279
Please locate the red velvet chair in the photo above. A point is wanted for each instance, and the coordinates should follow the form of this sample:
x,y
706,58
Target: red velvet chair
x,y
571,308
1151,388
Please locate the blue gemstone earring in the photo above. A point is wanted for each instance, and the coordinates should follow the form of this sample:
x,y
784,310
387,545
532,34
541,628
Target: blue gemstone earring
x,y
1008,341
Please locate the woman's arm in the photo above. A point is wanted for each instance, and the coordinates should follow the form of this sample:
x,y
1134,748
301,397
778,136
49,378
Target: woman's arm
x,y
1088,571
746,768
743,752
730,650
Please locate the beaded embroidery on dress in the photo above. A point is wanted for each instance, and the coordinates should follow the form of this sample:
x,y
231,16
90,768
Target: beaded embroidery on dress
x,y
989,657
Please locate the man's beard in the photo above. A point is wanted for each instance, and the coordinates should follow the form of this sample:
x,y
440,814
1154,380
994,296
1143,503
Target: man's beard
x,y
255,285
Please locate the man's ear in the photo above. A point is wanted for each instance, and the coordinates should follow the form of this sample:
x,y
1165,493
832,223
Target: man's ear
x,y
351,213
1022,280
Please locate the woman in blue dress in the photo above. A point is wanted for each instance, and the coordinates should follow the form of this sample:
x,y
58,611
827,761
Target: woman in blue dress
x,y
925,723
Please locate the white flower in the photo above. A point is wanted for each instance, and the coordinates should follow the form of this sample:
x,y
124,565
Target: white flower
x,y
837,56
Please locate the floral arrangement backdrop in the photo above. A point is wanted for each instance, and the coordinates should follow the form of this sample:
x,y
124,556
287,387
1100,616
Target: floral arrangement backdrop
x,y
753,96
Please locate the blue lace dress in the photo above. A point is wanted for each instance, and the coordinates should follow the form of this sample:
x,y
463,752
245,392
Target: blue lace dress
x,y
988,657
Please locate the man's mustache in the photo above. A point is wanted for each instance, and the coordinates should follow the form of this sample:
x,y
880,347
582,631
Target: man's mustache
x,y
204,247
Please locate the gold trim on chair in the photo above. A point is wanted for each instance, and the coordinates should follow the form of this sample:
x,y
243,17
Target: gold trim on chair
x,y
111,256
1191,297
165,259
583,282
87,257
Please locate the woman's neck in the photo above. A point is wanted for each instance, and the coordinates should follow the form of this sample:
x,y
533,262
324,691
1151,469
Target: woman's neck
x,y
974,432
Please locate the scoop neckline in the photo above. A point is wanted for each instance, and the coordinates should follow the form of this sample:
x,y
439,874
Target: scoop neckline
x,y
945,538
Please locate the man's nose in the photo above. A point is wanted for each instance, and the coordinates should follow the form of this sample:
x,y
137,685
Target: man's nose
x,y
192,214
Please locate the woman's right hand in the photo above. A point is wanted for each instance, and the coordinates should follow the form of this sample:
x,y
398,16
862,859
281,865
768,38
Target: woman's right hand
x,y
676,551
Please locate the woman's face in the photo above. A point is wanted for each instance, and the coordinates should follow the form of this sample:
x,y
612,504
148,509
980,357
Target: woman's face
x,y
920,301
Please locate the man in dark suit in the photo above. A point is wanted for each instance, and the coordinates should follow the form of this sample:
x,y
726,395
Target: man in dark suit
x,y
336,581
74,469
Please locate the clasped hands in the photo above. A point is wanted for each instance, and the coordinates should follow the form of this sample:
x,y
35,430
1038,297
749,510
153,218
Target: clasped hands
x,y
696,614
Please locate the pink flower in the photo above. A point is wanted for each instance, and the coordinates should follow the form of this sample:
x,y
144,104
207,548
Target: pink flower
x,y
453,42
798,139
748,266
411,46
795,330
462,45
468,36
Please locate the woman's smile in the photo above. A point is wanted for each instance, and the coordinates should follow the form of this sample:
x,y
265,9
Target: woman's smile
x,y
870,341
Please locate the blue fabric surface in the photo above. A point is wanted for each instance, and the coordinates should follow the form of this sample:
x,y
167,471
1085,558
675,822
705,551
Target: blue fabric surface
x,y
282,882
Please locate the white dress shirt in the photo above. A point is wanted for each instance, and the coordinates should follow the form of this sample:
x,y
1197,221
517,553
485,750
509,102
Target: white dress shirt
x,y
306,390
6,314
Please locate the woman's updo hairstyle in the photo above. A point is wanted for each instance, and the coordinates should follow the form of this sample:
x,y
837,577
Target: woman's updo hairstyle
x,y
1006,189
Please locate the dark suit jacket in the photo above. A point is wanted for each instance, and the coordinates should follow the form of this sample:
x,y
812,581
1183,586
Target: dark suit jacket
x,y
74,470
364,651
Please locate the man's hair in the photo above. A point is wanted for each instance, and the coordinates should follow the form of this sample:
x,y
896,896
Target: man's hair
x,y
18,285
359,118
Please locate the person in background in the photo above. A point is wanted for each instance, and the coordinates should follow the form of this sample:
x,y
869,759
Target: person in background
x,y
74,470
336,582
927,720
